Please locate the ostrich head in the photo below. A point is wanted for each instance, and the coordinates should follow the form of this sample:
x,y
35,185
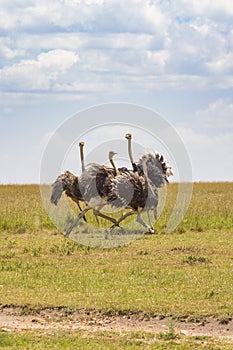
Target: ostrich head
x,y
111,155
128,136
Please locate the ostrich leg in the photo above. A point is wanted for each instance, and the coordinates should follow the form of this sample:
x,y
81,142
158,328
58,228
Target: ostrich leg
x,y
149,218
123,217
154,214
140,221
82,213
98,213
84,217
74,223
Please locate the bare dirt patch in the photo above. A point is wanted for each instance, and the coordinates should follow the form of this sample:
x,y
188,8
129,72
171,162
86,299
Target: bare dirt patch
x,y
18,318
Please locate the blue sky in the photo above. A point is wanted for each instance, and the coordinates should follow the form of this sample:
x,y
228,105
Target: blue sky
x,y
60,57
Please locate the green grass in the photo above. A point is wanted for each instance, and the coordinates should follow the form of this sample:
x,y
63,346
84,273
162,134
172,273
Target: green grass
x,y
176,274
211,208
21,209
186,273
105,340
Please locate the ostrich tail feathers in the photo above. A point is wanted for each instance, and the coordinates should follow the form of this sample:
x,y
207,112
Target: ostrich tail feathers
x,y
155,167
67,182
57,189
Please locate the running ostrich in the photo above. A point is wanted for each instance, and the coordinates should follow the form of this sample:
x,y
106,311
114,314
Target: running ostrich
x,y
149,174
95,184
157,170
73,187
129,190
119,188
152,200
69,183
96,187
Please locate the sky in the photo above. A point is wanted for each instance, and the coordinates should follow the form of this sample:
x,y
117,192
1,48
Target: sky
x,y
58,58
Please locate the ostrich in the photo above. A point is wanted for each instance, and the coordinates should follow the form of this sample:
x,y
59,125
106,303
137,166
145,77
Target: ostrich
x,y
129,189
95,183
73,187
119,188
69,183
148,175
157,170
152,200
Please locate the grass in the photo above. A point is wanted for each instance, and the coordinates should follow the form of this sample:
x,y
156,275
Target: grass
x,y
21,209
211,208
176,273
184,273
155,274
105,340
170,334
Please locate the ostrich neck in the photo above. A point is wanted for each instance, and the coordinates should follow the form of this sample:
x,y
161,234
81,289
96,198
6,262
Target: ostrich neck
x,y
82,158
114,167
130,151
135,168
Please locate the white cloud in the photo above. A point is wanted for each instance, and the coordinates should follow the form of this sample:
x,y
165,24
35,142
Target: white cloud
x,y
95,50
157,45
89,41
207,7
141,16
40,73
215,120
221,65
8,51
217,116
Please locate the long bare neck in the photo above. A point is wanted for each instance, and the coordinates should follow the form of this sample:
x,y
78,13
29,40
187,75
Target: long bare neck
x,y
81,145
130,151
114,166
131,155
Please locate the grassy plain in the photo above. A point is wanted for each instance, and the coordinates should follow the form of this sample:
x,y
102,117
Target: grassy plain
x,y
85,340
188,272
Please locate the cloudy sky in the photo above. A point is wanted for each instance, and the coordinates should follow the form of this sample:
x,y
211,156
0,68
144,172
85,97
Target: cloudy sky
x,y
61,57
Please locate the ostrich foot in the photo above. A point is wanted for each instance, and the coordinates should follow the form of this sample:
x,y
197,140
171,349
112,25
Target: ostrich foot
x,y
121,231
150,230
